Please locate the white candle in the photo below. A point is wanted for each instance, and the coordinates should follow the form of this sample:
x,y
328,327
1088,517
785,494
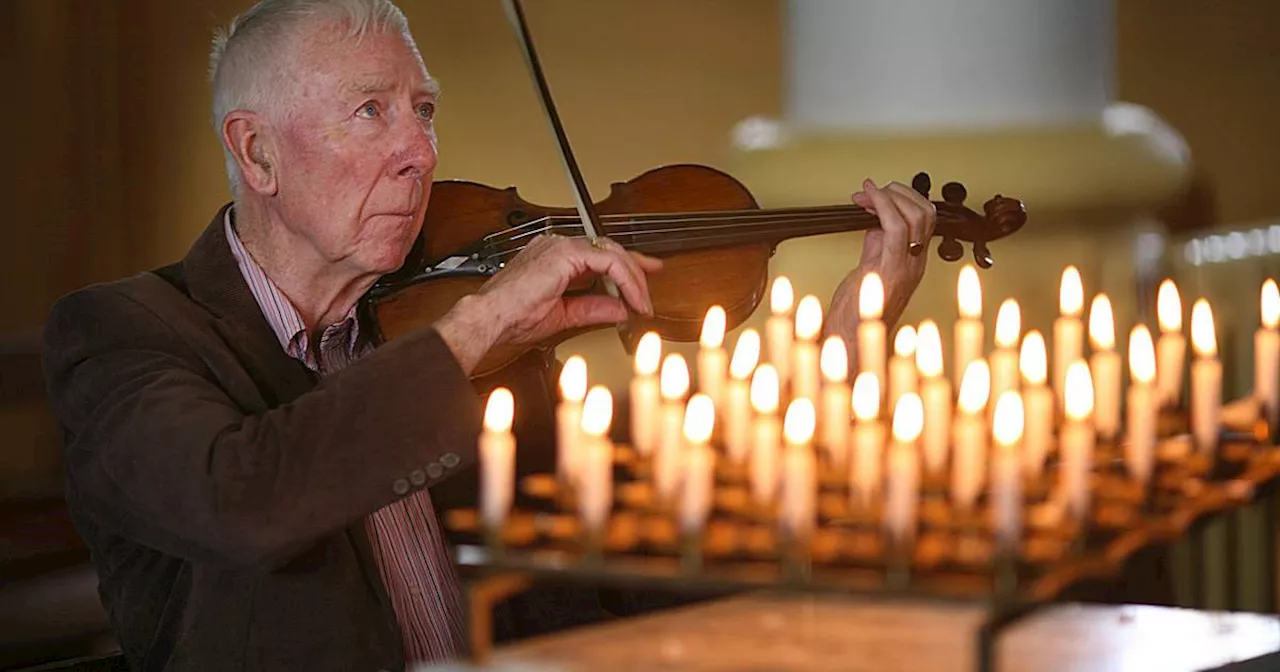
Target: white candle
x,y
1206,378
1068,330
737,405
1266,355
778,329
712,359
903,376
1142,406
674,385
1104,364
969,461
871,328
935,394
1004,358
573,389
969,335
497,448
868,440
1171,349
699,464
902,486
1006,479
1037,401
804,350
1077,440
835,399
644,394
595,476
799,489
763,466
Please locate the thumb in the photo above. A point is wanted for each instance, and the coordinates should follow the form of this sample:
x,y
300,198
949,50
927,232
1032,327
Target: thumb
x,y
592,309
872,247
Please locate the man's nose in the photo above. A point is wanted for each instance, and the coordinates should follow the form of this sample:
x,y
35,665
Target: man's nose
x,y
416,149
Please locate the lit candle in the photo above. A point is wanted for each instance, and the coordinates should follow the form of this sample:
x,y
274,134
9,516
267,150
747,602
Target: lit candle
x,y
1037,400
497,450
1171,349
804,350
644,393
699,464
799,487
1077,439
737,406
1006,482
1206,378
969,333
763,467
903,376
902,487
1104,364
868,440
595,476
674,385
1004,358
712,359
778,329
1068,330
835,399
573,389
1266,355
1142,405
935,394
969,461
871,329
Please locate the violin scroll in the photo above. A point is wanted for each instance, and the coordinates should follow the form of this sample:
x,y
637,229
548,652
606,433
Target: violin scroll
x,y
956,222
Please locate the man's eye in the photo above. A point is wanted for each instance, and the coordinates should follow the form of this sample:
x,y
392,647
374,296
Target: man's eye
x,y
427,111
368,111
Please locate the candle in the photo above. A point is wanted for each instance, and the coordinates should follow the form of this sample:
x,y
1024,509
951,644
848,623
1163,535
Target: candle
x,y
1171,349
1068,330
903,376
1206,378
1266,355
1077,439
737,404
835,399
935,394
799,487
573,388
1006,483
902,487
712,359
1004,358
1037,402
778,329
868,440
595,475
673,385
1142,405
871,329
1104,364
644,393
699,464
969,461
804,350
763,467
969,332
497,448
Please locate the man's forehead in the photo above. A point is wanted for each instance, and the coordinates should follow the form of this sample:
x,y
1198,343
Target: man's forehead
x,y
377,61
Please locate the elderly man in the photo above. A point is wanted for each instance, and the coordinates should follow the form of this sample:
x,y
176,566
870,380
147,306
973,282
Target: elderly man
x,y
253,478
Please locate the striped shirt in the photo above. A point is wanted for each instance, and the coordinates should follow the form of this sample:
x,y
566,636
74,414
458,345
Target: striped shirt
x,y
425,592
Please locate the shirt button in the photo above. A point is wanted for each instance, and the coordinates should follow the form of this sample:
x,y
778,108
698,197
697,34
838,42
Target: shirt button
x,y
434,470
401,486
417,477
449,460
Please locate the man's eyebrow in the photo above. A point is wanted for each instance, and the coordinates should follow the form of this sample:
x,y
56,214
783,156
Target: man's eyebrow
x,y
367,86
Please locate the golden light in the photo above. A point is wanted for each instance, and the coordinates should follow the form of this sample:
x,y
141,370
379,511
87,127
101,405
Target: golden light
x,y
929,349
499,411
1270,304
781,296
597,411
713,328
800,421
1142,355
764,389
1033,360
1169,307
871,297
904,343
908,418
648,354
969,292
1008,420
975,387
834,360
699,419
1203,335
573,379
674,383
866,397
1071,292
746,354
1008,324
1102,323
1079,394
808,318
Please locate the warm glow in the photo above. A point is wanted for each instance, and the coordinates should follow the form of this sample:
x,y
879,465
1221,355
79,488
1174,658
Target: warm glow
x,y
1033,360
713,328
499,411
699,419
1203,336
1071,292
1008,324
1270,304
929,349
904,344
871,297
1079,384
866,397
573,379
674,383
969,292
764,389
1169,307
908,418
975,387
746,354
800,421
1007,422
1142,355
808,318
648,354
597,411
1102,324
834,360
781,297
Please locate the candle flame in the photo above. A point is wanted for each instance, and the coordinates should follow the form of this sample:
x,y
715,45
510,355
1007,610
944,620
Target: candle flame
x,y
1203,336
1142,355
1071,292
904,343
1079,390
800,421
746,354
808,318
1008,324
871,297
1033,360
499,411
1169,307
1270,304
597,411
713,328
866,397
969,292
834,360
929,349
764,389
573,379
975,387
781,296
648,354
1008,420
674,383
1102,324
908,418
699,419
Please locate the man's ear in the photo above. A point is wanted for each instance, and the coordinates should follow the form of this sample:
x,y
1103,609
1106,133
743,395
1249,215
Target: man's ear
x,y
248,137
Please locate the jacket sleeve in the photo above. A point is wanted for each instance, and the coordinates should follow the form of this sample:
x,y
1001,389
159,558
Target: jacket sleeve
x,y
158,453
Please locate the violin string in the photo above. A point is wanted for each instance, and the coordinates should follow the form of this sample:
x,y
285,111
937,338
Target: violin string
x,y
572,224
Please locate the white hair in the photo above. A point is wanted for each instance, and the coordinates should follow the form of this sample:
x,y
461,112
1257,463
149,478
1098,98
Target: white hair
x,y
240,64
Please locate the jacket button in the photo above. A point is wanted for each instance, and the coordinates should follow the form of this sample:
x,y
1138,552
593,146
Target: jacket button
x,y
401,486
434,470
417,478
449,460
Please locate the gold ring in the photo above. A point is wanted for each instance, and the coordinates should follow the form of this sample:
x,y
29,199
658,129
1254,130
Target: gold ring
x,y
598,243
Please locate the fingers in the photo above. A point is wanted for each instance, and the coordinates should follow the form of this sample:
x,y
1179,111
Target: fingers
x,y
592,309
895,227
919,213
648,263
613,261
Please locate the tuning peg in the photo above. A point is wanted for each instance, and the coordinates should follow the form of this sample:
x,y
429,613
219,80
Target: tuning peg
x,y
950,249
954,193
922,184
982,255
